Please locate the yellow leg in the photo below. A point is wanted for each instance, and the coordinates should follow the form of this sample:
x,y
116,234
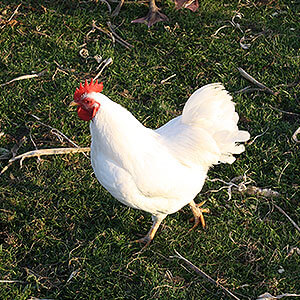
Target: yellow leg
x,y
197,212
150,235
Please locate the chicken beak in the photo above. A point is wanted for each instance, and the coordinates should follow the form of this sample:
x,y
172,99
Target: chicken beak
x,y
73,103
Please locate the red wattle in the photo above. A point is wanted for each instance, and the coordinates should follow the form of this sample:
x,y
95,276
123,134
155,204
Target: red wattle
x,y
87,115
84,114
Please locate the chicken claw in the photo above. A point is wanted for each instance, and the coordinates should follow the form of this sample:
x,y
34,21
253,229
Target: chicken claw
x,y
153,16
144,240
197,212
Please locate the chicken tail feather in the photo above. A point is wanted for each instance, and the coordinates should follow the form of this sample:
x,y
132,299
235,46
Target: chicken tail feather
x,y
212,109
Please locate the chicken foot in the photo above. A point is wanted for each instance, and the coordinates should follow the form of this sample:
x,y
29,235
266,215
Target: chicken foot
x,y
150,235
153,16
197,212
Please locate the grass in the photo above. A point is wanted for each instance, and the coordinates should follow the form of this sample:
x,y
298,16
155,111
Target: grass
x,y
56,220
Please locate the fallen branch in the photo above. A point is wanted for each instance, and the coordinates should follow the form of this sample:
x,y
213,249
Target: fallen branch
x,y
255,82
290,219
204,275
53,151
24,77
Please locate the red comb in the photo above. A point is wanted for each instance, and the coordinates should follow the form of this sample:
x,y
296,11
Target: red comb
x,y
88,88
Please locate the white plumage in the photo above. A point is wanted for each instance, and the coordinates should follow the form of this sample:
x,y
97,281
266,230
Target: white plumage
x,y
160,171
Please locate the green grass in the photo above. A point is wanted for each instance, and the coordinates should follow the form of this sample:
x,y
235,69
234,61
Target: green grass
x,y
56,219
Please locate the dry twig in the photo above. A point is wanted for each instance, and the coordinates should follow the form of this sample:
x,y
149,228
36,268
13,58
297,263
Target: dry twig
x,y
55,131
165,80
108,5
114,37
14,13
12,16
105,63
248,89
24,77
268,296
284,111
257,136
74,273
281,173
254,190
34,144
34,298
293,250
117,9
240,185
204,275
126,44
52,151
12,281
219,29
254,81
289,218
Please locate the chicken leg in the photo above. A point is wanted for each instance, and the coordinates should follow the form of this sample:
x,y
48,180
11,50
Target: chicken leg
x,y
153,16
150,235
197,212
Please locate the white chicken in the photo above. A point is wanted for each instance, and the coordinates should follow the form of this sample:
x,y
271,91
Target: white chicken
x,y
160,171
